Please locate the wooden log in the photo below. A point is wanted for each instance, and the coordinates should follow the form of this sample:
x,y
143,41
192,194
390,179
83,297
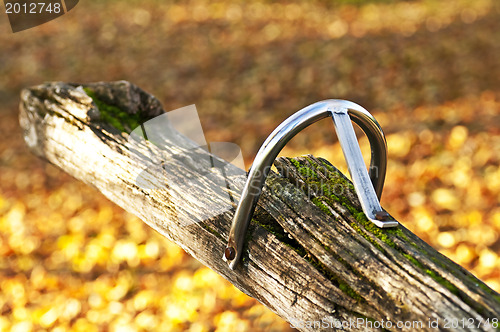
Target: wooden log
x,y
311,256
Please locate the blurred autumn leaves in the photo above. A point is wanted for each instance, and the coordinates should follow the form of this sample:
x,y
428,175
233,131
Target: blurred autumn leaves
x,y
428,70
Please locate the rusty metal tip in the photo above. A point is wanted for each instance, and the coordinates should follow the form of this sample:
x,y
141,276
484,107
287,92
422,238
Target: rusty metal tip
x,y
382,216
230,253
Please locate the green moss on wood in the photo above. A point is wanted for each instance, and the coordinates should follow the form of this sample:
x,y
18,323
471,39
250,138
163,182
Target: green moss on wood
x,y
382,234
212,230
305,171
488,290
321,205
452,288
341,284
413,260
335,178
114,116
344,287
294,162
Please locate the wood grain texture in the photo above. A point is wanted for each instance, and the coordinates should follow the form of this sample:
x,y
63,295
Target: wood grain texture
x,y
310,256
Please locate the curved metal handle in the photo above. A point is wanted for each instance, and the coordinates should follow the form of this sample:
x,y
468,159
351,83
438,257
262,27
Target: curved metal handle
x,y
339,110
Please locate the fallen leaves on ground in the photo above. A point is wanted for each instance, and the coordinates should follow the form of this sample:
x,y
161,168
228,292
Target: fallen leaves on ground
x,y
428,70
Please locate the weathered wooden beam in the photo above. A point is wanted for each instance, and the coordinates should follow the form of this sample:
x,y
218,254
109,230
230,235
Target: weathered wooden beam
x,y
311,255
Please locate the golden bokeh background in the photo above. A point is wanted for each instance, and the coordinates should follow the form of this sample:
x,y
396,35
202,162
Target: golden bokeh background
x,y
427,69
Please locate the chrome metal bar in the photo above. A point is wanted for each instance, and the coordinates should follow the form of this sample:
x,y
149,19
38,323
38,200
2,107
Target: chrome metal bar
x,y
275,143
357,169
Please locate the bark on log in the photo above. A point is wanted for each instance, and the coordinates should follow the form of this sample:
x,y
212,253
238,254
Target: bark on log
x,y
311,256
